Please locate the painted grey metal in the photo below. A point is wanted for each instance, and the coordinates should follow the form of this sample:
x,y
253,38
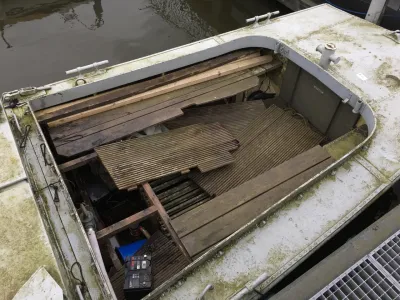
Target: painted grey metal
x,y
250,287
376,10
337,263
11,183
265,17
327,55
87,67
343,121
314,101
209,287
375,276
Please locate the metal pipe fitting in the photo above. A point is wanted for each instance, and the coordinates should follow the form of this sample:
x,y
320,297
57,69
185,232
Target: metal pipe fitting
x,y
250,287
267,16
96,249
327,55
209,287
83,68
357,106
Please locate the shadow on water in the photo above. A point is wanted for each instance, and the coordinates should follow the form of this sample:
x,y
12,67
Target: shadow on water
x,y
46,37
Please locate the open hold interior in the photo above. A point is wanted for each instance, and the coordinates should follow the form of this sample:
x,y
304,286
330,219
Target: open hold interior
x,y
172,165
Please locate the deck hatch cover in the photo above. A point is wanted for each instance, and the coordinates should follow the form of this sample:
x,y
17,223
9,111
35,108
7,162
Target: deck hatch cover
x,y
375,276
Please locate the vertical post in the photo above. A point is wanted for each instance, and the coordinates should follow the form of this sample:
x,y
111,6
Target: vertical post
x,y
165,218
376,10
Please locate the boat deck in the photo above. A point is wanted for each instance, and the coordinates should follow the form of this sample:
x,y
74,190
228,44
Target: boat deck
x,y
24,242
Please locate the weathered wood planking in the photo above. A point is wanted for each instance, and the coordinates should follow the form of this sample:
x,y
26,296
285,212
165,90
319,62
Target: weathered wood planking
x,y
140,87
136,161
233,116
91,125
269,140
136,121
245,192
165,218
126,223
78,162
222,227
227,69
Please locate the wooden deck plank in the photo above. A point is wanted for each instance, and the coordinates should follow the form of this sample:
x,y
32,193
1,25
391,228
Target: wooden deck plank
x,y
108,132
123,114
227,224
136,161
247,191
125,223
78,162
272,138
233,116
193,80
165,218
77,106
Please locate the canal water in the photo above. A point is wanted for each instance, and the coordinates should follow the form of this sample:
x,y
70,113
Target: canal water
x,y
41,39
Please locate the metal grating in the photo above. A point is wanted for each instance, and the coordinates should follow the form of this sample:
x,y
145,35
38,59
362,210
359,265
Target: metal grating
x,y
375,276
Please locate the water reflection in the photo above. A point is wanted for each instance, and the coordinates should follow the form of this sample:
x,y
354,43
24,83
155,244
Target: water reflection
x,y
14,12
46,37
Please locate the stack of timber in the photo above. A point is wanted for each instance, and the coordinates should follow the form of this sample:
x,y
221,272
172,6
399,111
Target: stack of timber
x,y
209,223
136,161
167,261
269,140
233,116
82,125
178,194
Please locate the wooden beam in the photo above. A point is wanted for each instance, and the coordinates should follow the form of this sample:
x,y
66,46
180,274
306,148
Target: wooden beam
x,y
165,218
78,162
190,81
77,106
125,223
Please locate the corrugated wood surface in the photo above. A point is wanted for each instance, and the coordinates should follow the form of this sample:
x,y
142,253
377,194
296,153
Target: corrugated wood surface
x,y
167,261
139,160
211,222
178,194
77,106
234,116
77,136
269,140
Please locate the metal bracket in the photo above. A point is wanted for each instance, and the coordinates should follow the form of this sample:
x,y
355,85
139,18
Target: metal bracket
x,y
267,16
358,106
43,150
30,90
22,144
78,70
